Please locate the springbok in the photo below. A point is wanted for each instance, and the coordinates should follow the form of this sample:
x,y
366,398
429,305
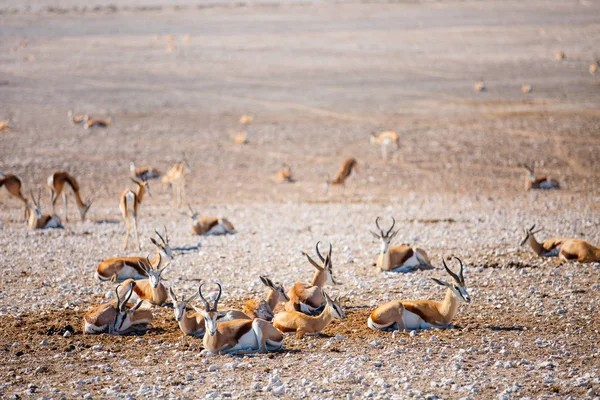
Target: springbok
x,y
209,225
37,220
343,173
243,137
116,319
308,298
192,324
4,124
175,178
150,289
92,123
422,314
538,182
144,173
565,249
263,308
302,324
238,336
77,119
285,175
385,140
122,268
401,258
128,204
13,184
56,183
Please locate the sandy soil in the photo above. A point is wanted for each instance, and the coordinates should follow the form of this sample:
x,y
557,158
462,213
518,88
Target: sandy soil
x,y
318,77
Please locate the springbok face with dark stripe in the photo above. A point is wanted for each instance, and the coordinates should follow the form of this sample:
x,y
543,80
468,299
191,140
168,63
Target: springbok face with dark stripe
x,y
385,237
209,312
163,245
125,317
326,267
527,233
180,305
153,273
458,286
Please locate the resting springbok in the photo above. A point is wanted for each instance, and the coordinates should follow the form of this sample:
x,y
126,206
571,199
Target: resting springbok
x,y
37,220
175,178
401,258
422,314
129,208
150,289
565,249
263,308
302,324
343,173
116,319
285,175
209,225
308,298
13,184
385,141
56,183
238,336
539,182
243,137
144,173
92,123
77,119
4,124
122,268
192,324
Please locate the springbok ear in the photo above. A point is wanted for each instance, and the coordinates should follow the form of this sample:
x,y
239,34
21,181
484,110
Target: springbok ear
x,y
394,234
264,280
440,282
172,295
138,305
154,242
376,236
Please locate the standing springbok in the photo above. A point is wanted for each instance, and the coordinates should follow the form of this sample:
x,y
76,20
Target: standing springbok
x,y
192,324
144,173
150,289
175,178
13,184
263,308
385,140
422,314
538,182
209,225
238,336
56,183
565,249
401,258
122,268
343,173
302,324
243,137
37,220
308,298
116,318
128,204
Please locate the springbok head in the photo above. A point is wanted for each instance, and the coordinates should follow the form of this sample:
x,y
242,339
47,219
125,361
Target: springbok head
x,y
209,312
86,207
527,233
163,244
458,286
326,267
124,315
276,287
334,304
152,272
385,237
180,305
530,170
193,214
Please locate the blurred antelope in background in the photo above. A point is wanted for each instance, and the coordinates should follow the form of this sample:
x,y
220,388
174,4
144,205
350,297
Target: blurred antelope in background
x,y
175,178
150,289
145,173
263,308
93,123
385,140
122,268
56,183
343,173
4,124
401,258
308,298
538,182
13,184
37,220
565,249
77,119
129,208
422,314
302,324
285,175
209,225
238,336
244,137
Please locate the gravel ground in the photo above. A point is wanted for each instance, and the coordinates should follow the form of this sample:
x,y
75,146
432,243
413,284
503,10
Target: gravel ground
x,y
319,77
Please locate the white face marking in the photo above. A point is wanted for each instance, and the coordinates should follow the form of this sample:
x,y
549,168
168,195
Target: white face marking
x,y
210,320
154,278
461,293
178,309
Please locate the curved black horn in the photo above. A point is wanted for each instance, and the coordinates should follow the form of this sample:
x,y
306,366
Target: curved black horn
x,y
532,227
318,252
460,273
218,297
160,236
126,300
378,227
452,274
166,234
393,224
118,299
206,305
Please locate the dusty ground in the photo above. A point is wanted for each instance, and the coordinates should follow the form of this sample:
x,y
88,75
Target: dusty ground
x,y
319,77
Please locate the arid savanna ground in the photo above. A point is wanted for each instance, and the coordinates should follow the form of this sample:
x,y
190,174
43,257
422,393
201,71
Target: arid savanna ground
x,y
318,77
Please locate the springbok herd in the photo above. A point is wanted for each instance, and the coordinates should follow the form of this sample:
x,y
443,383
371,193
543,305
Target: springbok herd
x,y
260,326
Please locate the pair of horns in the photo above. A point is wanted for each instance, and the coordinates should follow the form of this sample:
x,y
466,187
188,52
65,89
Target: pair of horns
x,y
384,235
458,278
206,304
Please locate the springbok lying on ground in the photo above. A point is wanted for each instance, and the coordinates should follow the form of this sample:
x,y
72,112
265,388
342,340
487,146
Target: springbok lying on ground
x,y
422,314
302,324
56,183
565,249
263,308
401,258
285,175
150,289
37,220
308,298
538,182
209,225
122,268
238,336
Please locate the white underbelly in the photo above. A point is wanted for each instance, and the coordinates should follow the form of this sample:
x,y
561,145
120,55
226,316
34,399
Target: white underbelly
x,y
218,229
552,253
413,261
306,309
129,272
248,341
53,222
